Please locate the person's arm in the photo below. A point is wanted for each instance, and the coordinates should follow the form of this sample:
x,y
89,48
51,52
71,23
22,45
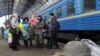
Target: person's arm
x,y
40,25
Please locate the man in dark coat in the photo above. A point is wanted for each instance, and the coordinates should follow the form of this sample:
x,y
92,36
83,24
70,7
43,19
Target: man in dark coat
x,y
53,31
13,30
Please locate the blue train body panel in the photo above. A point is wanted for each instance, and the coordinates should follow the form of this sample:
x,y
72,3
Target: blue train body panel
x,y
84,23
91,22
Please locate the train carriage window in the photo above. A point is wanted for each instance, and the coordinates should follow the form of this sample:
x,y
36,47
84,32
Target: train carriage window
x,y
89,5
71,10
59,13
51,12
45,18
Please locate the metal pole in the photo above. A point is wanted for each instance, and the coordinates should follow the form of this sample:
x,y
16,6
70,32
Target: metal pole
x,y
4,2
8,8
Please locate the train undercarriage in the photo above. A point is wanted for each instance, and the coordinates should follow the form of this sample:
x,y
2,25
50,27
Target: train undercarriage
x,y
65,36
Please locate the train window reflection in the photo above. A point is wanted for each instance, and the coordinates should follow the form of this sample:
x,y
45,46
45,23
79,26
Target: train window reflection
x,y
45,18
59,13
89,5
70,10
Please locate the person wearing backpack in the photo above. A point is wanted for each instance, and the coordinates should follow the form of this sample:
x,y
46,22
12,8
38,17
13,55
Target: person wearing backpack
x,y
25,31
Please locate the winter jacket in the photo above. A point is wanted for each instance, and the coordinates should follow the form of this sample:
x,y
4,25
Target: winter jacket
x,y
39,27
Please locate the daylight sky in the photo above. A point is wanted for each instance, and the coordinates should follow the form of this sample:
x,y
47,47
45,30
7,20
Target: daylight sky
x,y
2,20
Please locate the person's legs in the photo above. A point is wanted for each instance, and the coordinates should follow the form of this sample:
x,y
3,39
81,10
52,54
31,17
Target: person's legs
x,y
51,40
2,35
10,45
17,41
30,40
55,43
25,42
40,40
36,40
48,39
55,40
50,43
14,42
14,47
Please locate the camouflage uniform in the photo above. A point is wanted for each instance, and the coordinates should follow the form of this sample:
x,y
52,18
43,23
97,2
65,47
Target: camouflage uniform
x,y
39,34
31,35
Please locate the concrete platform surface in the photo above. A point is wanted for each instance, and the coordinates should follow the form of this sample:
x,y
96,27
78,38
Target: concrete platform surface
x,y
5,51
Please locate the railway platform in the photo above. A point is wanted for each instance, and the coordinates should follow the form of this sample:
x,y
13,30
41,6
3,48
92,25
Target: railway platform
x,y
5,51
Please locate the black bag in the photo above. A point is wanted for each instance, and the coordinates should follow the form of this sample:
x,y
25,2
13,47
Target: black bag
x,y
46,35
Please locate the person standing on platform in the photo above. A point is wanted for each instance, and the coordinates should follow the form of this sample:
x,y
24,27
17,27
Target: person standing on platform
x,y
33,23
2,32
13,29
25,31
38,31
53,31
28,30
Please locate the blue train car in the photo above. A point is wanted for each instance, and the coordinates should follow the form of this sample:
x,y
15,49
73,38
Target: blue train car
x,y
76,17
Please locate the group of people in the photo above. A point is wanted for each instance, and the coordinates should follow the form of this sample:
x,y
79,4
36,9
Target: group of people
x,y
35,29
